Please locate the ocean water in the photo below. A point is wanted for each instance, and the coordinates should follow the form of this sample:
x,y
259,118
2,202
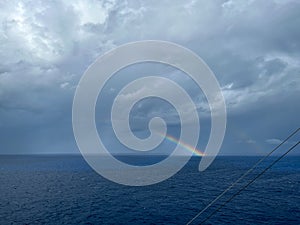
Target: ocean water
x,y
65,190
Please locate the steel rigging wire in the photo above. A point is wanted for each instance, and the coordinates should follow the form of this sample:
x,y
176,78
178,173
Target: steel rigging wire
x,y
244,175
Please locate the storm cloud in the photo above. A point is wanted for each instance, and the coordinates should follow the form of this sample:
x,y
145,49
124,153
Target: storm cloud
x,y
252,47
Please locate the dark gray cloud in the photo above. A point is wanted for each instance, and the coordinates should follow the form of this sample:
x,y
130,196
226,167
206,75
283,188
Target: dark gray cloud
x,y
45,46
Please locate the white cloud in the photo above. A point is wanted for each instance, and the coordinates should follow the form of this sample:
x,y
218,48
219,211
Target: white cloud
x,y
274,141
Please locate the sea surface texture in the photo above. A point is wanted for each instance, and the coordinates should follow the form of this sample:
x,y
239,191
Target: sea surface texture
x,y
65,190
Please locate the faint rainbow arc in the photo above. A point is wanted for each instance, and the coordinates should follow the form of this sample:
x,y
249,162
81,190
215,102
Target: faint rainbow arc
x,y
184,145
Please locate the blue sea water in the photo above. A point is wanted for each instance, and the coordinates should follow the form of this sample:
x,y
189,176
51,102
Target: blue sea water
x,y
65,190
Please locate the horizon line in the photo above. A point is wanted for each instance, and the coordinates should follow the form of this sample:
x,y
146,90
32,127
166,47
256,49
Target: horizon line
x,y
128,154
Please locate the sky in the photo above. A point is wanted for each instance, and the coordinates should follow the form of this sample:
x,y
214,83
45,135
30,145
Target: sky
x,y
253,48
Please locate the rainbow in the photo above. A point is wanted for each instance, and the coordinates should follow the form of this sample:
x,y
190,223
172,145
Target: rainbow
x,y
184,145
